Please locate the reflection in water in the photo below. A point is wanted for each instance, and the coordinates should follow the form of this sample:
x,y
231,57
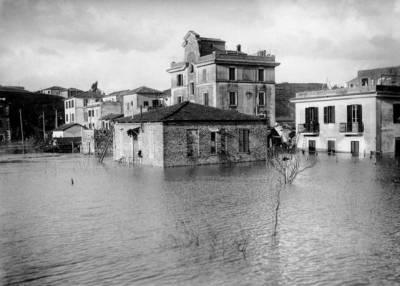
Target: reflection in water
x,y
339,223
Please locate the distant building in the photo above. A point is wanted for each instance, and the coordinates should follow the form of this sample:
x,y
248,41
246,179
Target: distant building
x,y
284,109
76,107
97,110
360,120
5,130
71,130
61,91
142,99
190,134
227,79
377,76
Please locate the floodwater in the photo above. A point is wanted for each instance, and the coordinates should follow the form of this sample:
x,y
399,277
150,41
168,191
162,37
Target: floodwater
x,y
68,220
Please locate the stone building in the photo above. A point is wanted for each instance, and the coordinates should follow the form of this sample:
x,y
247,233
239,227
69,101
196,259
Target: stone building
x,y
214,76
360,120
190,134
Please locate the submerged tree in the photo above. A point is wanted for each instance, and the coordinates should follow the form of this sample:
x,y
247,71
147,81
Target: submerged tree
x,y
288,164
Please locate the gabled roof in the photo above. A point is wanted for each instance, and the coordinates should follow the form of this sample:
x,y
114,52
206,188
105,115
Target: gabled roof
x,y
67,126
188,111
111,116
56,88
88,94
146,90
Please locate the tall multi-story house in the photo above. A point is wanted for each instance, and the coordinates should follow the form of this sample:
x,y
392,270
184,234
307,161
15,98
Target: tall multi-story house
x,y
360,120
142,99
76,107
95,112
228,79
5,131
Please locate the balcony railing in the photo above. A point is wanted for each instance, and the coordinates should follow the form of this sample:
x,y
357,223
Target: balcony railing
x,y
312,128
351,127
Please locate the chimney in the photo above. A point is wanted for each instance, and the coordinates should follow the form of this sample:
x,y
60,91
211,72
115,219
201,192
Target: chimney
x,y
239,48
262,53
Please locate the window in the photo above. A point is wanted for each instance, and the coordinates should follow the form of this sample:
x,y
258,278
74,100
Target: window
x,y
179,99
329,114
312,115
192,142
232,74
66,118
354,113
213,143
223,142
66,104
72,117
179,80
145,103
191,68
261,99
261,75
132,103
85,102
205,96
192,88
396,113
204,78
156,103
232,99
244,141
72,103
364,82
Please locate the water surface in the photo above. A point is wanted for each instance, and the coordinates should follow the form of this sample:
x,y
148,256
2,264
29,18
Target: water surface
x,y
68,220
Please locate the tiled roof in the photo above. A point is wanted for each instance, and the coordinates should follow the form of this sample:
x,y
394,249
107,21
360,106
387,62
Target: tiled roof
x,y
146,90
188,111
111,116
56,88
88,94
67,126
167,92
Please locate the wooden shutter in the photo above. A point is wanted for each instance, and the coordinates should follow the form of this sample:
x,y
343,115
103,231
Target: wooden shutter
x,y
315,114
326,114
359,112
349,116
333,114
308,117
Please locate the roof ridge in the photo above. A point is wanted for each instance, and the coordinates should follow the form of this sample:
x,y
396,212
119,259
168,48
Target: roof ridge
x,y
177,110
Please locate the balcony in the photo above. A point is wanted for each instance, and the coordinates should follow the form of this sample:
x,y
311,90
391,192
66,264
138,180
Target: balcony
x,y
309,129
351,128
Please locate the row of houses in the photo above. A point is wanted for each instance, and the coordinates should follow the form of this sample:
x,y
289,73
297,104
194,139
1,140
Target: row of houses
x,y
221,106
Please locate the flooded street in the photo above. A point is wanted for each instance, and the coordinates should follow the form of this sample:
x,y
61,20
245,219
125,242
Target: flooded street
x,y
68,220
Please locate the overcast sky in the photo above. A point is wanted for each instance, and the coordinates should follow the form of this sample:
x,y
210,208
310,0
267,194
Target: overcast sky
x,y
126,44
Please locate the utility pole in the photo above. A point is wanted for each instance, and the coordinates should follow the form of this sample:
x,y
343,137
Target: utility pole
x,y
44,128
22,132
56,122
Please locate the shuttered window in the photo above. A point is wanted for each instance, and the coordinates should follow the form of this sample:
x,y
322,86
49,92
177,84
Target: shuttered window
x,y
329,114
354,113
244,140
312,114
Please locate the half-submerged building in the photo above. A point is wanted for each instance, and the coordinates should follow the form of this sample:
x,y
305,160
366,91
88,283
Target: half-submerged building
x,y
189,134
214,76
360,120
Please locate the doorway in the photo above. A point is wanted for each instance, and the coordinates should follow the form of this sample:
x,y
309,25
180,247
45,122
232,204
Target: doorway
x,y
331,147
311,146
355,148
